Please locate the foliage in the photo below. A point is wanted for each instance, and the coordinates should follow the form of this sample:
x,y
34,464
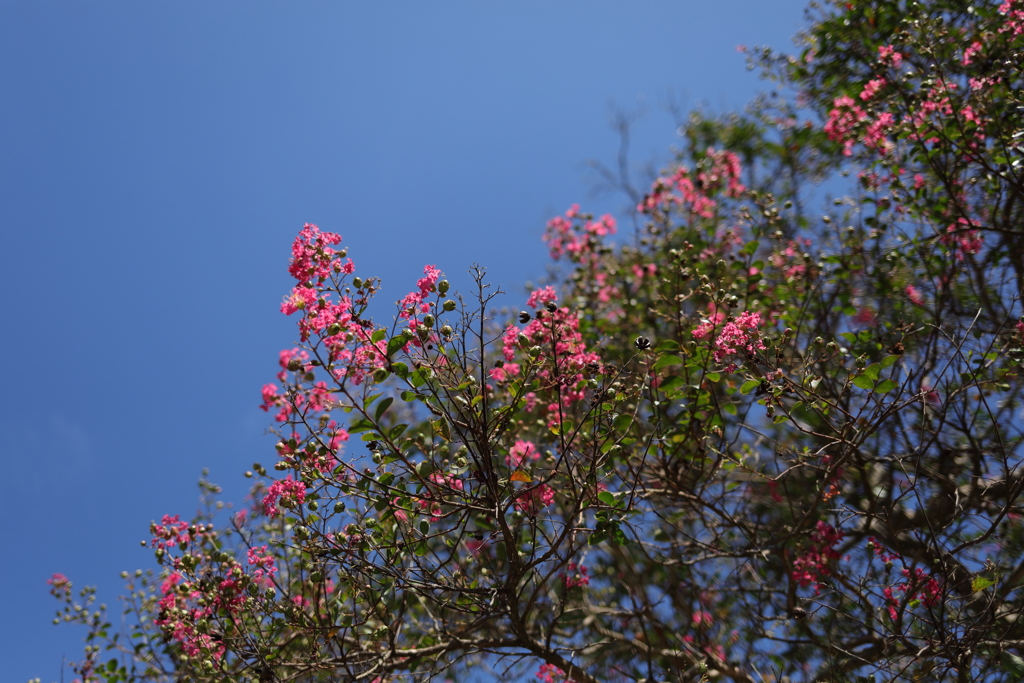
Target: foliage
x,y
751,443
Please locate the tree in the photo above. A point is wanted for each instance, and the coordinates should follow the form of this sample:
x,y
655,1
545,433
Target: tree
x,y
752,443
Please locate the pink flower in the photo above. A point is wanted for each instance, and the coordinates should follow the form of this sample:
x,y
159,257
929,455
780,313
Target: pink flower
x,y
914,295
533,499
865,316
576,575
520,452
700,617
887,55
549,673
820,554
969,53
290,493
871,88
60,586
539,297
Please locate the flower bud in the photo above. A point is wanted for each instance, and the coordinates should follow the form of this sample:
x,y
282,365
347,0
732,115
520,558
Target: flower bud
x,y
339,507
316,577
380,374
442,287
428,321
449,305
312,505
447,331
333,329
295,364
534,351
357,282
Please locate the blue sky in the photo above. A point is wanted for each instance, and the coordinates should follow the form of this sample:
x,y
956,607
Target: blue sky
x,y
156,160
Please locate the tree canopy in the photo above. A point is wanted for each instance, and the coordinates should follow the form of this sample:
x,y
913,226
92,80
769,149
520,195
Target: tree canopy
x,y
750,438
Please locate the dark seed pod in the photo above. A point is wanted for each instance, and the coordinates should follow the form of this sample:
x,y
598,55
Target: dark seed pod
x,y
551,307
524,317
642,343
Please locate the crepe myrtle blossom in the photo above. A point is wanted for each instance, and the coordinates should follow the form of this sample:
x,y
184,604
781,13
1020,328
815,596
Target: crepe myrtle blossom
x,y
916,585
576,575
535,498
815,563
549,673
735,335
286,491
521,451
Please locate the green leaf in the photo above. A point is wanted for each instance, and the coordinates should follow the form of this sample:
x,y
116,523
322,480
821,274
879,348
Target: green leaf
x,y
666,361
1013,664
780,418
980,583
606,497
397,343
377,336
886,385
749,386
864,382
714,377
382,408
360,425
396,431
400,369
872,370
888,361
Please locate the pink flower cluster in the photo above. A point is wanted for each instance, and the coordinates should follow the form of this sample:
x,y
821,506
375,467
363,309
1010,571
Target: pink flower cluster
x,y
566,236
549,673
843,121
737,334
720,174
1014,11
60,585
553,331
702,618
264,563
312,257
413,302
177,617
887,54
445,485
871,88
521,452
970,52
917,585
817,559
963,238
576,576
534,499
287,491
171,532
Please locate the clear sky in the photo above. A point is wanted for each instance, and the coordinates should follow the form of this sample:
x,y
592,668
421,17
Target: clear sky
x,y
156,159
